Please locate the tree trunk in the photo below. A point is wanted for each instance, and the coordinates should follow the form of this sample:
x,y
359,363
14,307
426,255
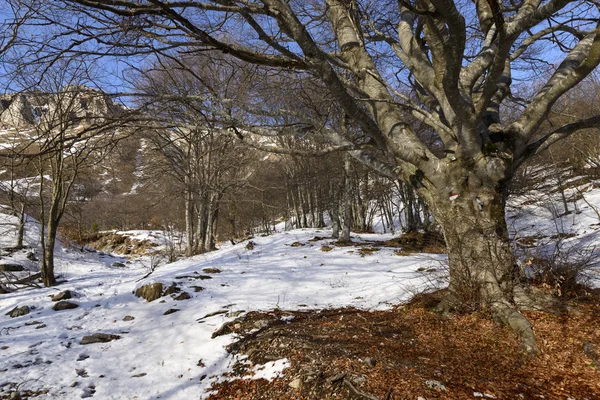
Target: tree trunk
x,y
189,222
21,227
47,269
347,221
483,271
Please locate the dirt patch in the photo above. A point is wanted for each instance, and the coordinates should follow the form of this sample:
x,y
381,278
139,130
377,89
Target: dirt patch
x,y
418,242
111,242
406,352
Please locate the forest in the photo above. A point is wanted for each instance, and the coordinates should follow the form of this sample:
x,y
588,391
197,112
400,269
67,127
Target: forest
x,y
299,199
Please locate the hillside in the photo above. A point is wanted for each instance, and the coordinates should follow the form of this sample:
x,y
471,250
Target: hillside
x,y
176,346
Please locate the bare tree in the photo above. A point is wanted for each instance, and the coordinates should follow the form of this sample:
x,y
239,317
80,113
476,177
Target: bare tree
x,y
447,64
67,134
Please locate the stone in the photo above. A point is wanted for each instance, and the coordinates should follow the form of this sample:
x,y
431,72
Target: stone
x,y
171,290
436,385
11,268
211,270
371,362
171,311
117,264
128,318
197,288
64,305
40,326
18,311
150,292
183,296
64,295
99,338
296,383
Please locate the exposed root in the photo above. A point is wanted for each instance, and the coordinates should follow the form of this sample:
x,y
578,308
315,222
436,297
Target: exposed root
x,y
448,304
508,314
533,299
512,317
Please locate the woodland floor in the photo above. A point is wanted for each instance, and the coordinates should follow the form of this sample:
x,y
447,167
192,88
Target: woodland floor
x,y
397,354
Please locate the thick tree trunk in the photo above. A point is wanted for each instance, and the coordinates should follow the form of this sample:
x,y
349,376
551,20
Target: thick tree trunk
x,y
483,271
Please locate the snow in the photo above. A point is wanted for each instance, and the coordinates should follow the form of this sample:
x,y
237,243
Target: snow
x,y
270,370
168,349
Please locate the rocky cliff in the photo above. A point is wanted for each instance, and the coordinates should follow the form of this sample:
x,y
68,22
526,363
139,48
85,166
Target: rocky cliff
x,y
78,103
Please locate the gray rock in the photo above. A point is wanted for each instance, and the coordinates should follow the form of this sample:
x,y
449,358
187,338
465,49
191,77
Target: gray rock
x,y
64,295
183,296
436,385
64,305
171,311
99,338
11,267
371,362
150,292
171,290
128,318
18,311
117,264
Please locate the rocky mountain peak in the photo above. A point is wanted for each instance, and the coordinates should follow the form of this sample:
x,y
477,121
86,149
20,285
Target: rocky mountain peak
x,y
80,103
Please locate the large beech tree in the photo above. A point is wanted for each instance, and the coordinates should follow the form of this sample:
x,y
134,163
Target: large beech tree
x,y
450,65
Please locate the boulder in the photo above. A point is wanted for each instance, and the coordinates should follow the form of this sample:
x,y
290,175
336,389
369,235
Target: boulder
x,y
11,267
171,290
64,295
18,311
150,292
183,296
99,338
64,305
171,311
128,318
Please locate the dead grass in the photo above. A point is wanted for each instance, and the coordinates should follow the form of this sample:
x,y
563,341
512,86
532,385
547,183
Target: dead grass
x,y
409,345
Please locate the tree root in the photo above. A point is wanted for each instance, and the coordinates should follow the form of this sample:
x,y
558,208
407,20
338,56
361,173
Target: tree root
x,y
512,317
533,299
508,314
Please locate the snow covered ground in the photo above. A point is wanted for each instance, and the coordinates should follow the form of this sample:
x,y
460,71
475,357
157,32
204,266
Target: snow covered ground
x,y
172,356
